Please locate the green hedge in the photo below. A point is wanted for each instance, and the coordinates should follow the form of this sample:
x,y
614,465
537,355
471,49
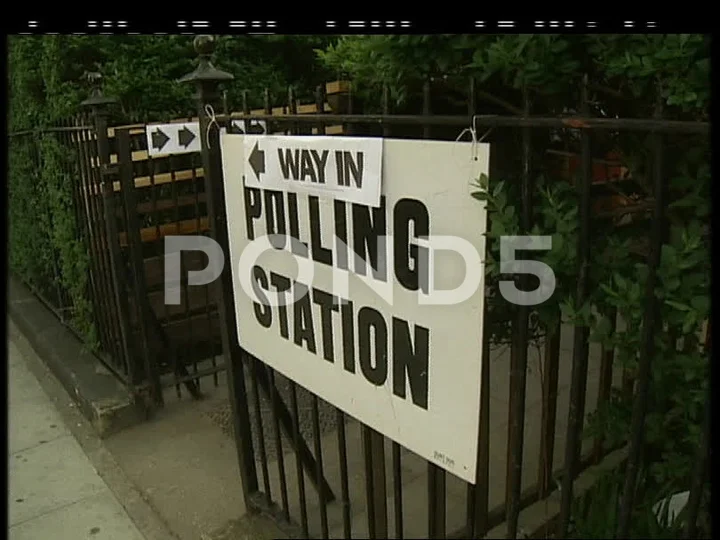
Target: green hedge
x,y
628,76
46,86
46,248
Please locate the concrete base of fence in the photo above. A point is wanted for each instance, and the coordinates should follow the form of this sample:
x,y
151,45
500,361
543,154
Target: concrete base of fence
x,y
103,400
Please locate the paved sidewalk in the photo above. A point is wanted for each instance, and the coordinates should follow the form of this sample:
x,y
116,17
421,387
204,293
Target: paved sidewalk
x,y
55,492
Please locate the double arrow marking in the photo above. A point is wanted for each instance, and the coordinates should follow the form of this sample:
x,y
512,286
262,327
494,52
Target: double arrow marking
x,y
179,138
185,137
160,138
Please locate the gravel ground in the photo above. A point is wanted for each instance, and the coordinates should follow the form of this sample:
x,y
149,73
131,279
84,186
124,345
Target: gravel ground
x,y
222,416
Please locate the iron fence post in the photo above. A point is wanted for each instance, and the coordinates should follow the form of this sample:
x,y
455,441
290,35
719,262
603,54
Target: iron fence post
x,y
578,384
134,242
650,325
98,105
207,78
519,348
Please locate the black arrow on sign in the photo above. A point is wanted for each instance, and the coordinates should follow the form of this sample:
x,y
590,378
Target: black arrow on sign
x,y
159,139
185,137
257,161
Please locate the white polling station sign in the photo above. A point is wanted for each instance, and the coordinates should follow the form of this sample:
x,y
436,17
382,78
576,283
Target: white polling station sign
x,y
339,303
344,168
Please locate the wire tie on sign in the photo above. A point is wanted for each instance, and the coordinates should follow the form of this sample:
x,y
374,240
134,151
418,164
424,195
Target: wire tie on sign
x,y
474,119
472,133
469,130
210,112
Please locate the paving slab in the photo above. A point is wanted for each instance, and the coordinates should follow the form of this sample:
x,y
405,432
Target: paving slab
x,y
49,476
185,466
34,420
100,517
54,489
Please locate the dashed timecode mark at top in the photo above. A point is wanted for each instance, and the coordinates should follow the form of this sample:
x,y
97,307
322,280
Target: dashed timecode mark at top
x,y
271,25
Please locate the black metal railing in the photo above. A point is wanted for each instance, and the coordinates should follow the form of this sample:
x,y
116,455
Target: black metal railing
x,y
480,516
128,203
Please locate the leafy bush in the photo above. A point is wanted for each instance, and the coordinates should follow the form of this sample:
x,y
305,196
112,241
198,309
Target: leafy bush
x,y
596,514
551,66
142,72
627,76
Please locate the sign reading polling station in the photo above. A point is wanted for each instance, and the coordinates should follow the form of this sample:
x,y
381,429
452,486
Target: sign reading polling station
x,y
358,272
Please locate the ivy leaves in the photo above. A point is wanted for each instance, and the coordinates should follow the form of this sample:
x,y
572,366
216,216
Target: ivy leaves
x,y
678,63
628,76
142,72
552,66
555,216
64,234
619,288
543,63
46,248
684,283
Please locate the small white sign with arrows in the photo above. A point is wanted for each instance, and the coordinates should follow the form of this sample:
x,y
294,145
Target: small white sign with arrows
x,y
183,138
344,168
180,138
